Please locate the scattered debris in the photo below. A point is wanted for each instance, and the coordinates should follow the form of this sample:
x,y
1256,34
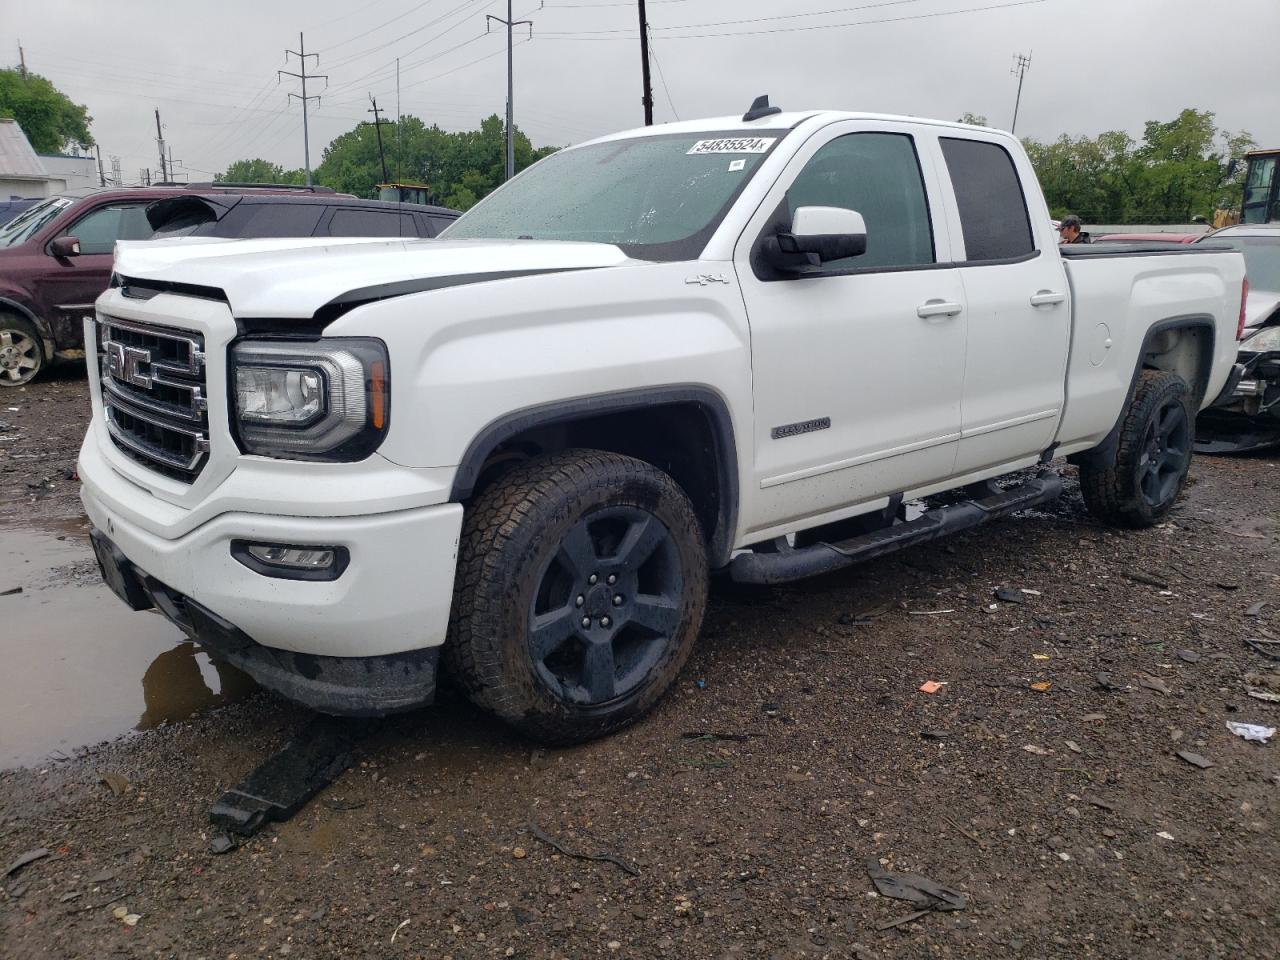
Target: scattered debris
x,y
1040,656
24,858
1009,595
717,735
117,783
929,613
1188,656
1268,648
968,833
1153,683
1195,759
1263,686
1101,804
402,925
1041,686
282,785
935,734
1149,581
1038,751
1111,686
923,892
932,686
1251,731
221,843
1165,835
519,853
10,592
1093,717
1255,610
1073,746
601,857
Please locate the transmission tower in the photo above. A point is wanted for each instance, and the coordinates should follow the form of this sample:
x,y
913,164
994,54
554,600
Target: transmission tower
x,y
301,54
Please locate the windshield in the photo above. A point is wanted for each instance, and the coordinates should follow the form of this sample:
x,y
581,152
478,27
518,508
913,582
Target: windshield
x,y
29,221
658,198
1261,259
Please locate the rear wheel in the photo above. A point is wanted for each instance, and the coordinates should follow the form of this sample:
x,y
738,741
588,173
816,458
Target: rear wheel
x,y
21,353
1140,485
582,580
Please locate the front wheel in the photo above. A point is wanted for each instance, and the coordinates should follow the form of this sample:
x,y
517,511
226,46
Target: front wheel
x,y
21,353
1139,486
582,580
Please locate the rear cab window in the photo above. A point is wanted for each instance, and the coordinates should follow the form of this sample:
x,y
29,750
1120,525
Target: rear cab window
x,y
355,222
270,220
990,199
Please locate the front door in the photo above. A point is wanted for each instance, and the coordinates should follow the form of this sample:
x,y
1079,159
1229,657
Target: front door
x,y
71,285
857,369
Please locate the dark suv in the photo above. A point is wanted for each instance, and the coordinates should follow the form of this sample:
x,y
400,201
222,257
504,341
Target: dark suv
x,y
55,257
301,215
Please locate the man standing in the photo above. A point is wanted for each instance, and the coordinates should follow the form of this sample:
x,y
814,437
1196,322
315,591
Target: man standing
x,y
1070,232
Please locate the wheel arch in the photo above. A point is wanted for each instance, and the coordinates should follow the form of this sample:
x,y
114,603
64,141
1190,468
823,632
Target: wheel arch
x,y
42,327
684,430
1183,344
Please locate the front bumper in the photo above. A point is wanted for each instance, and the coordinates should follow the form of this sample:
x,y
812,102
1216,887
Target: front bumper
x,y
346,686
1246,415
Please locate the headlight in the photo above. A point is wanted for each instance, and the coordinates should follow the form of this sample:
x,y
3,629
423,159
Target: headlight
x,y
1264,341
315,400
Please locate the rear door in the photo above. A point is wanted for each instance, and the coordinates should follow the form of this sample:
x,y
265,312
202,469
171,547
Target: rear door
x,y
858,368
1019,311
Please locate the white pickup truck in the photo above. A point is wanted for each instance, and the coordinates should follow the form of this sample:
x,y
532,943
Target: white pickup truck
x,y
736,344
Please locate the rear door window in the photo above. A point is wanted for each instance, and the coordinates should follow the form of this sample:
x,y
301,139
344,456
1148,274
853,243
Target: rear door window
x,y
348,222
99,229
993,209
438,224
265,220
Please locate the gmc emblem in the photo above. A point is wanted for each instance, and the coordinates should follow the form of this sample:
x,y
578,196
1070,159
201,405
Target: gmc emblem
x,y
125,364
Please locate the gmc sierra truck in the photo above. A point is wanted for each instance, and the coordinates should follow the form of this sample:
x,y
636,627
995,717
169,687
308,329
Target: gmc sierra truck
x,y
517,453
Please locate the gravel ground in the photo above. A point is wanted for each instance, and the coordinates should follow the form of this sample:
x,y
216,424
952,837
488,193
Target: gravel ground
x,y
1042,780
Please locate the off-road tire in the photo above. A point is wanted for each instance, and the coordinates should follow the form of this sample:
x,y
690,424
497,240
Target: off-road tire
x,y
512,543
1113,491
18,339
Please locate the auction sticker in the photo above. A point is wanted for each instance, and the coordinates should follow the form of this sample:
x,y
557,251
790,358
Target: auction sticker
x,y
734,145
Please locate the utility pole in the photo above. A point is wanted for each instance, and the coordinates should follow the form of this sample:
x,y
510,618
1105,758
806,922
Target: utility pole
x,y
102,179
1021,64
377,126
164,170
511,110
301,54
22,60
647,99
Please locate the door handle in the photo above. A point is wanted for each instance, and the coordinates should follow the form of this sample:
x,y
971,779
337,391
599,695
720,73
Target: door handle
x,y
938,308
1047,298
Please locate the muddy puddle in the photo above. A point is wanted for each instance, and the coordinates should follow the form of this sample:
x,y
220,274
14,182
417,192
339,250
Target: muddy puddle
x,y
80,667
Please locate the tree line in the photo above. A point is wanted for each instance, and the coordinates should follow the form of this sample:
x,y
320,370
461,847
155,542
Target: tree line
x,y
460,168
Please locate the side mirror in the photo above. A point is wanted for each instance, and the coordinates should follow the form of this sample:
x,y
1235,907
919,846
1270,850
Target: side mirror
x,y
818,235
65,247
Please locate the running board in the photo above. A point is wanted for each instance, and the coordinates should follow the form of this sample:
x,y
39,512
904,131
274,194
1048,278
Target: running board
x,y
790,563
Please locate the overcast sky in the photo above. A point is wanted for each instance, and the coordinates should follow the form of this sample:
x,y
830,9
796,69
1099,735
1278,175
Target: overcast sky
x,y
210,68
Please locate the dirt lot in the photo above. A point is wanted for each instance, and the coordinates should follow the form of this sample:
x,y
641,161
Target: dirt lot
x,y
796,748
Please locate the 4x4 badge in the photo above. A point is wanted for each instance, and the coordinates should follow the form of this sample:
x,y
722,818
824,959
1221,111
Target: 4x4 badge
x,y
702,279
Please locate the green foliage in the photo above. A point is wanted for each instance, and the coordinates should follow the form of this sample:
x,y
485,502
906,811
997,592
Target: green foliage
x,y
1181,169
460,168
47,116
260,171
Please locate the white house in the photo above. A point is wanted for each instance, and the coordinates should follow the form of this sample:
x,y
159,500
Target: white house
x,y
26,174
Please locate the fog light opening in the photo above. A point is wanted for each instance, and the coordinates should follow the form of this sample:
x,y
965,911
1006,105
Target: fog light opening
x,y
292,561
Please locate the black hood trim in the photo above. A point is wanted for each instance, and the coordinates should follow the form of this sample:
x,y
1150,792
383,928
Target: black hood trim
x,y
342,303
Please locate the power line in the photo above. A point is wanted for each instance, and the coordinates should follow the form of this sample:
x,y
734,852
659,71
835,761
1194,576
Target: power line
x,y
599,34
665,89
301,54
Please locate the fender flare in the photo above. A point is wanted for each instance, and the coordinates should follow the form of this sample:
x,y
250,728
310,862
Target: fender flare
x,y
1106,449
41,325
563,411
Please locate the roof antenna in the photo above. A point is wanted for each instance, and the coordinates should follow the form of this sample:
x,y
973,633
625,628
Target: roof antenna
x,y
760,108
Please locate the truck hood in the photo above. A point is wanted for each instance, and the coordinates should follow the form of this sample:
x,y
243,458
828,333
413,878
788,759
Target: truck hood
x,y
294,278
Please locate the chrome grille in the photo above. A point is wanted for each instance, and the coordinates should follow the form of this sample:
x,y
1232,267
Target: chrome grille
x,y
154,393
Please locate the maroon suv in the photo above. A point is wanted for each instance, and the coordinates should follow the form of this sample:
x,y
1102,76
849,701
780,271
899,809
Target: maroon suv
x,y
55,258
